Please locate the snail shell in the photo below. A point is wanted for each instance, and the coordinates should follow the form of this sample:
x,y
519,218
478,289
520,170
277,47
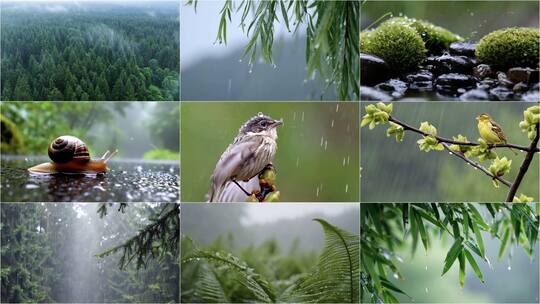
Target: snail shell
x,y
68,148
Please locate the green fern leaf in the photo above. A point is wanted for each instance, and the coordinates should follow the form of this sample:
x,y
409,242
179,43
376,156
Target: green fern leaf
x,y
336,278
260,289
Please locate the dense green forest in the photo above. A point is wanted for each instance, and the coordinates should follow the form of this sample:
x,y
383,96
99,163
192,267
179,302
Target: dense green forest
x,y
105,52
49,254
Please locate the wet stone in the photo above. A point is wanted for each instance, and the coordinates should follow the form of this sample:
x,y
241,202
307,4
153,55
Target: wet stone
x,y
487,84
371,94
503,80
373,70
449,84
474,95
463,48
482,71
525,75
520,87
446,64
394,87
501,93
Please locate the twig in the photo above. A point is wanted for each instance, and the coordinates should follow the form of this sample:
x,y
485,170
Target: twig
x,y
531,149
524,166
476,165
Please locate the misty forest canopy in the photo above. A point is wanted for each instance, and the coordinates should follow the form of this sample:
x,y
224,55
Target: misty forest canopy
x,y
90,52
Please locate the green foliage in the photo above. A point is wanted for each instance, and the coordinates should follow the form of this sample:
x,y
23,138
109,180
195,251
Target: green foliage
x,y
384,227
400,46
376,114
529,124
38,123
161,154
25,277
92,55
11,137
436,38
336,277
499,167
332,35
510,47
155,240
265,275
429,142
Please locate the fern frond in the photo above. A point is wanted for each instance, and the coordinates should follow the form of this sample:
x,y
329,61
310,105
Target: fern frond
x,y
336,278
246,276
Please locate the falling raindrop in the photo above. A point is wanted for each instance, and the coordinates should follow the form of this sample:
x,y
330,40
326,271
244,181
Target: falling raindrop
x,y
294,116
509,268
332,124
303,116
317,194
337,107
426,267
297,161
325,144
346,188
322,140
427,290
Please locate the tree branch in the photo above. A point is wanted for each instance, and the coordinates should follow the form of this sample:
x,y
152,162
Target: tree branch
x,y
531,149
477,165
524,166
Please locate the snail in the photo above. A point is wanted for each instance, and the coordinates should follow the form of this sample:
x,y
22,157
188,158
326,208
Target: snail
x,y
70,155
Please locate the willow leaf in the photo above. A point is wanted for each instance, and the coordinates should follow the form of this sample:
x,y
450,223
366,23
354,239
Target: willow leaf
x,y
474,266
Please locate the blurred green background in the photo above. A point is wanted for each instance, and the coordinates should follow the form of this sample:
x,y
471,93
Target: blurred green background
x,y
399,171
509,280
318,147
138,130
470,19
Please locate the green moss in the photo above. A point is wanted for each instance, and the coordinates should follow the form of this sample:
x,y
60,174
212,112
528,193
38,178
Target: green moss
x,y
11,141
436,38
400,46
511,47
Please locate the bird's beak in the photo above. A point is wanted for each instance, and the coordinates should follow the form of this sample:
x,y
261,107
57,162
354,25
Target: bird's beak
x,y
277,123
478,117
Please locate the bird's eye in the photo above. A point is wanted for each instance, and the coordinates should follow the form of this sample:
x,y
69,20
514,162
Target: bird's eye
x,y
264,124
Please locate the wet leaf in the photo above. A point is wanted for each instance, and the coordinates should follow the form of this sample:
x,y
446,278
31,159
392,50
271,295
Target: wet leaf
x,y
473,264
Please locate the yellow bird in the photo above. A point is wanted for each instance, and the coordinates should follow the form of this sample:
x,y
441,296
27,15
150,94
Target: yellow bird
x,y
490,131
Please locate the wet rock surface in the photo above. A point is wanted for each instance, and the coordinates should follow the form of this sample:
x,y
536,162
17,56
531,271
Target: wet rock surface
x,y
454,74
463,48
371,94
125,182
395,87
374,69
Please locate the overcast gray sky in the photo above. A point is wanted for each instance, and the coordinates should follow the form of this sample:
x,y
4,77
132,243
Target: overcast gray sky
x,y
267,213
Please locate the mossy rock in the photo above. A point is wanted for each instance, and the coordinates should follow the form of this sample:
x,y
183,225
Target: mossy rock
x,y
511,47
11,138
400,46
436,38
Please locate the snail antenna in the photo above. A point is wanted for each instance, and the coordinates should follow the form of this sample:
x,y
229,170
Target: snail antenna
x,y
109,156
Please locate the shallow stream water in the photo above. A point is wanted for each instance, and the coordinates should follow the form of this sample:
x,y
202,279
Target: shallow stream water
x,y
127,181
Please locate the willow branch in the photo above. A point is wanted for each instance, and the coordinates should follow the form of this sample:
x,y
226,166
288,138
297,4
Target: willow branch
x,y
405,126
477,165
524,166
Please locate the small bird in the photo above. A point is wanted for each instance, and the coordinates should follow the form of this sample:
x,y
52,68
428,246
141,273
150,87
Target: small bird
x,y
251,151
490,131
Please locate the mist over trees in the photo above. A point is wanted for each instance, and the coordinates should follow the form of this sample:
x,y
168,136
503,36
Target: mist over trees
x,y
94,52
